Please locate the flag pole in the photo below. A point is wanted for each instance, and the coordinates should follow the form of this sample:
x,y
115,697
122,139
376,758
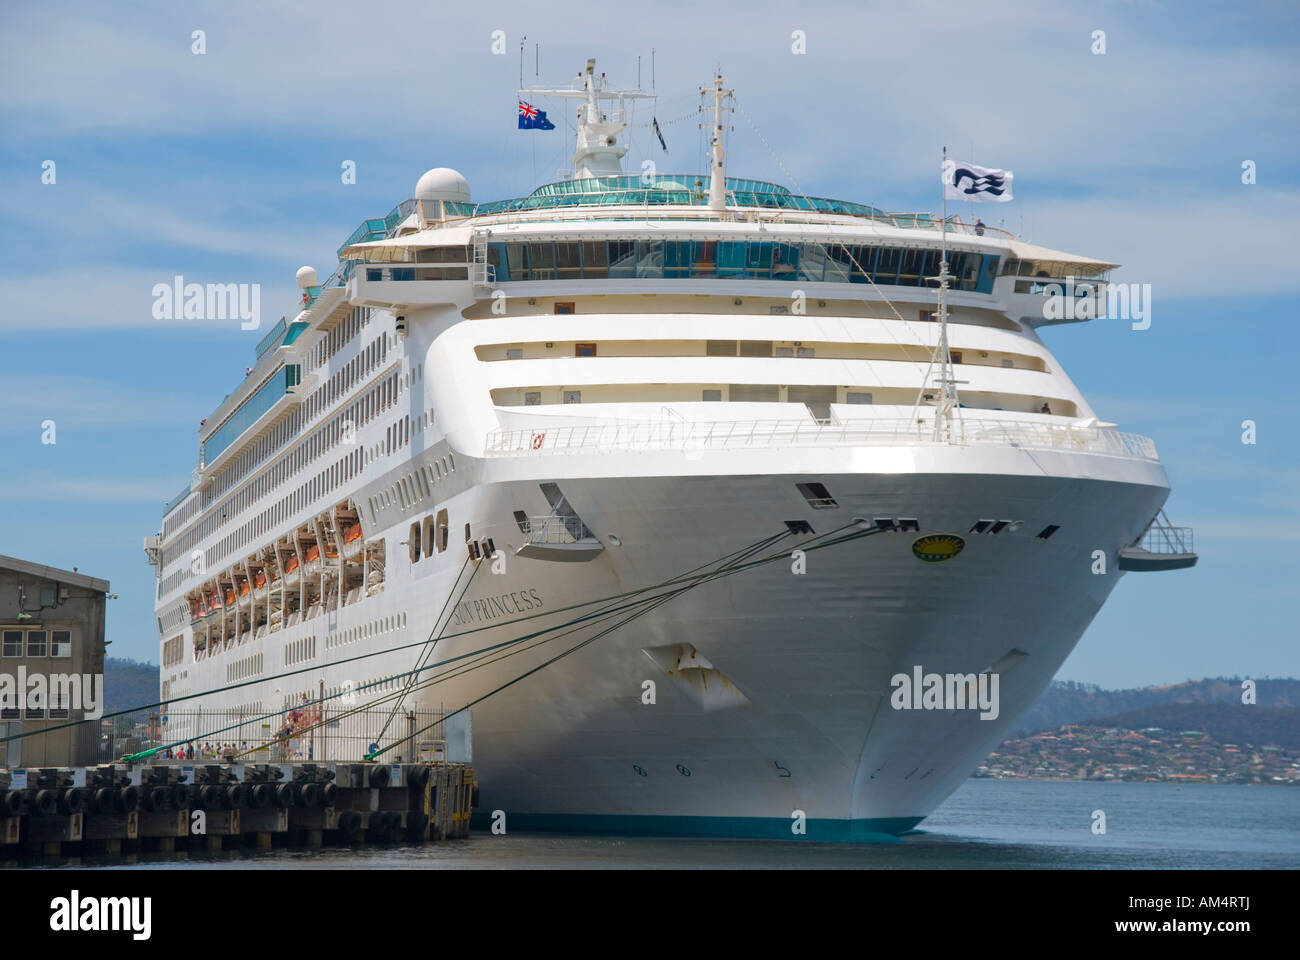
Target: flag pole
x,y
943,415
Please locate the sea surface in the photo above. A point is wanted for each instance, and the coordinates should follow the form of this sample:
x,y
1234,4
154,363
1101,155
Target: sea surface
x,y
986,823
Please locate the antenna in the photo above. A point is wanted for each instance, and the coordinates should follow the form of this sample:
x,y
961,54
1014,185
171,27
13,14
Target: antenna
x,y
521,60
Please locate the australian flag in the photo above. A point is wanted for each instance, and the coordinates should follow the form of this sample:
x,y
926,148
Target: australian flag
x,y
530,118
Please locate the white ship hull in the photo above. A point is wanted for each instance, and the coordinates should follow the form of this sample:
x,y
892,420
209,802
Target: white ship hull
x,y
807,723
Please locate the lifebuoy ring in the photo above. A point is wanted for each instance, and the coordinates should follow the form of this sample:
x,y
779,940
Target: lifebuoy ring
x,y
537,440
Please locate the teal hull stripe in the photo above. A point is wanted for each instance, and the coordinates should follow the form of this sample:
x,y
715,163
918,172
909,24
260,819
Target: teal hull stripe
x,y
881,830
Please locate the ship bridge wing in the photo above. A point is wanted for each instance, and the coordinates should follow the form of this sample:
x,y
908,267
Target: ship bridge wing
x,y
1065,264
394,249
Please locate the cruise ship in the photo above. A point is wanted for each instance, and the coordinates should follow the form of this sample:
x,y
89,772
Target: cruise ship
x,y
662,479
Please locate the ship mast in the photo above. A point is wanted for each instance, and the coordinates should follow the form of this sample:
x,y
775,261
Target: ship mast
x,y
947,383
718,172
598,152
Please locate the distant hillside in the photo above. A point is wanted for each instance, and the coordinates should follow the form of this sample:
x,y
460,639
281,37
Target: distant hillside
x,y
1067,702
1224,722
129,683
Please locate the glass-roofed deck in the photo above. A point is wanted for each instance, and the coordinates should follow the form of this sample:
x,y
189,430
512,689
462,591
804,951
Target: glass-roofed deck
x,y
679,189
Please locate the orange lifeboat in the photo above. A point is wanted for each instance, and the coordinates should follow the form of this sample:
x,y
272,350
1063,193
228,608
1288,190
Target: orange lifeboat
x,y
313,553
352,533
230,596
245,589
261,579
291,564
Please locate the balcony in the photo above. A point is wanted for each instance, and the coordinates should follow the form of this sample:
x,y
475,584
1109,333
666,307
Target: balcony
x,y
1161,547
618,436
398,285
559,538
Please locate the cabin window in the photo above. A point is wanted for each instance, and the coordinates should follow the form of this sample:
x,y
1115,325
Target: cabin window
x,y
13,643
443,529
584,350
515,353
720,348
595,264
541,260
783,351
754,392
413,542
36,643
807,353
426,535
568,266
532,398
61,644
956,355
712,395
755,348
567,307
857,397
1008,362
573,396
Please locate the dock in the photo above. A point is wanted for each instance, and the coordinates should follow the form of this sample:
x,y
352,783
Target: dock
x,y
55,812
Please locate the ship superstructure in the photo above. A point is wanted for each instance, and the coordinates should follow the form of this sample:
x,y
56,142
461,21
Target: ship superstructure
x,y
498,419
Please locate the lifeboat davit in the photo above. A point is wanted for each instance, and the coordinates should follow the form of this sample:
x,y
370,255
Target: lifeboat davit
x,y
352,544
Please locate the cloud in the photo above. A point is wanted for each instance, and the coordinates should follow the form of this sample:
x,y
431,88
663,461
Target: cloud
x,y
1182,243
1285,529
122,297
43,486
26,399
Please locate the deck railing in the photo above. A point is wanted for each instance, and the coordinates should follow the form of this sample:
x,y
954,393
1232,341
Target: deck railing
x,y
1163,539
555,529
346,732
633,436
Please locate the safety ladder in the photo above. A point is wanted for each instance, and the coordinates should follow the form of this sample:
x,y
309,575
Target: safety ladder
x,y
482,274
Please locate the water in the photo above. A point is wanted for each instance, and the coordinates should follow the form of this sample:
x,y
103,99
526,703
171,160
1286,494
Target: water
x,y
986,823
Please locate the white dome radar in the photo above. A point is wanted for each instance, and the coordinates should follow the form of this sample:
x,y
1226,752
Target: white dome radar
x,y
442,183
306,278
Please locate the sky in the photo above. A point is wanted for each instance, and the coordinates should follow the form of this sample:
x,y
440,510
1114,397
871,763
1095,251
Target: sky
x,y
220,158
